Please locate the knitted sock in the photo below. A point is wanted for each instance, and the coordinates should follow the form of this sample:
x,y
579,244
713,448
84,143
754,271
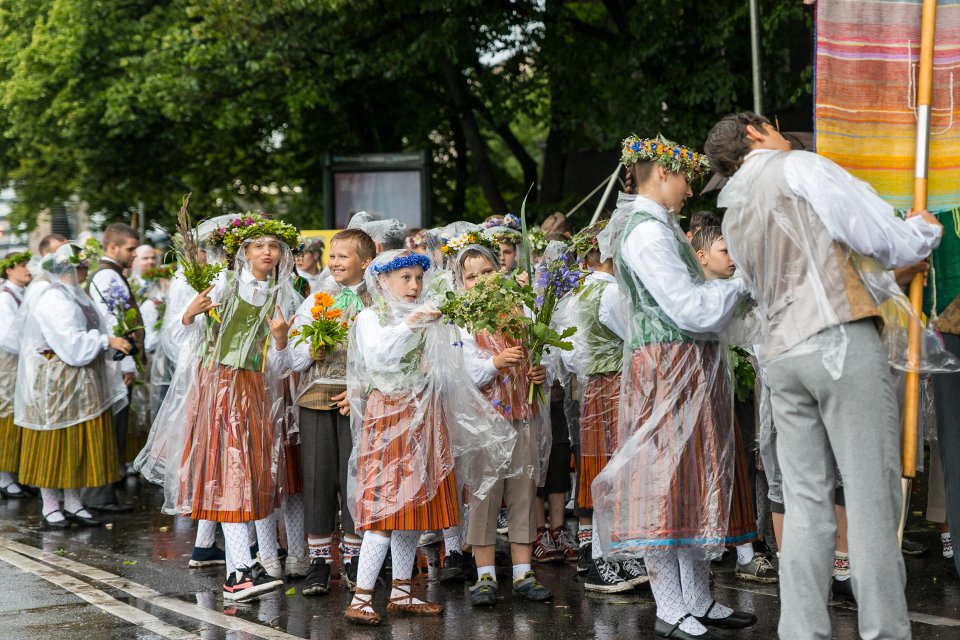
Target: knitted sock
x,y
745,553
237,547
595,551
947,541
664,570
452,540
293,521
320,546
841,566
267,539
695,578
584,535
51,505
206,534
350,546
73,503
403,550
373,551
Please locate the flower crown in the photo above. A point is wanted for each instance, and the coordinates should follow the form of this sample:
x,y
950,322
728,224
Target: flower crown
x,y
502,236
457,244
11,260
417,240
79,258
402,262
510,221
253,225
586,240
538,240
670,155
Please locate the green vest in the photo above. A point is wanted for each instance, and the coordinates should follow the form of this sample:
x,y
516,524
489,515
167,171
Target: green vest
x,y
604,347
649,324
243,338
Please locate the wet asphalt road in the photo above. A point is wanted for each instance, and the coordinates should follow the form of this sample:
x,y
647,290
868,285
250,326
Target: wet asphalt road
x,y
132,581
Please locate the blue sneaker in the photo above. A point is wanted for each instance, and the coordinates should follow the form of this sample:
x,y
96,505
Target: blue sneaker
x,y
530,588
207,557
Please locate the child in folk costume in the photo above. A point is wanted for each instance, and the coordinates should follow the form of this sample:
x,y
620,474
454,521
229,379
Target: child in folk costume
x,y
505,231
230,465
665,494
13,268
815,245
498,368
325,437
597,360
66,394
419,430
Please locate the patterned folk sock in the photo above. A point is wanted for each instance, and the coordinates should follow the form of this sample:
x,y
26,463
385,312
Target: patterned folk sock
x,y
664,571
237,547
695,579
320,546
350,546
267,539
452,540
373,551
293,521
841,566
206,534
403,551
595,551
51,505
73,503
584,535
947,541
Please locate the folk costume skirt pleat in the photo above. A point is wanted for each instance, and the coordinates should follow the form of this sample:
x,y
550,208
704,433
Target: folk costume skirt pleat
x,y
11,437
83,455
405,479
599,412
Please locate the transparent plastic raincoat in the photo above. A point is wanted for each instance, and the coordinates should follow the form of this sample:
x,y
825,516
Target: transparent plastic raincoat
x,y
420,428
670,482
218,442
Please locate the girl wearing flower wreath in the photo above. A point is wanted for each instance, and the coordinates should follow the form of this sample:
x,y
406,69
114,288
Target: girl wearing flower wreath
x,y
13,269
498,367
229,465
420,430
665,494
505,232
66,395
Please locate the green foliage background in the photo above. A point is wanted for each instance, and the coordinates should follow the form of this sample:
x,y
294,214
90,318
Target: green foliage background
x,y
117,102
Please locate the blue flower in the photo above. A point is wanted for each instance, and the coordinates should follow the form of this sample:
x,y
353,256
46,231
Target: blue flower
x,y
539,300
507,408
497,403
635,146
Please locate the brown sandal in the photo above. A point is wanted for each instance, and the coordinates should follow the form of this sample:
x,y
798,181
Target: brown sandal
x,y
405,604
355,612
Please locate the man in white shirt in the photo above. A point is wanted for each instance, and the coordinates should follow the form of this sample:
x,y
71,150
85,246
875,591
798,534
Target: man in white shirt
x,y
796,226
120,242
13,268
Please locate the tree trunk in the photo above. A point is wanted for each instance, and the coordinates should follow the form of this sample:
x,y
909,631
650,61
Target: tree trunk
x,y
461,172
555,153
479,158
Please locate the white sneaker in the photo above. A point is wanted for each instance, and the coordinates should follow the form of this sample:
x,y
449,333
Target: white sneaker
x,y
273,568
296,567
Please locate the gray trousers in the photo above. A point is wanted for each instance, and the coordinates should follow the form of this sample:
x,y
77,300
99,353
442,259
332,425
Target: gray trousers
x,y
946,396
855,421
325,445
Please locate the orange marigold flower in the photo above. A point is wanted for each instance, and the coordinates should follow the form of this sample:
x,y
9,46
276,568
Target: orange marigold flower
x,y
294,333
323,299
333,314
343,324
317,314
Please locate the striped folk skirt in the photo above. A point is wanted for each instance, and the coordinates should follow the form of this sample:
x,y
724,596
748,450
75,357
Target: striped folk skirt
x,y
671,482
11,437
233,467
742,523
599,412
405,478
84,455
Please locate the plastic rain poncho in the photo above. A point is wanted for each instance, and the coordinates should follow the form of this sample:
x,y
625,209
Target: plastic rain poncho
x,y
62,374
670,482
218,443
419,426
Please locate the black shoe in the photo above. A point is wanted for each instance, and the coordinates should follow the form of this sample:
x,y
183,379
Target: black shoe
x,y
604,577
736,620
585,559
634,571
452,568
115,507
913,548
318,578
469,567
668,631
207,557
250,583
82,520
484,592
530,588
349,575
59,524
14,495
842,590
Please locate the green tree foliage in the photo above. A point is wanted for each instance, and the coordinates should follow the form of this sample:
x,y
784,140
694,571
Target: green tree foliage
x,y
119,102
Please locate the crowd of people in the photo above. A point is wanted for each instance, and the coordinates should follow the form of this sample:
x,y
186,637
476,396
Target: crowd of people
x,y
696,386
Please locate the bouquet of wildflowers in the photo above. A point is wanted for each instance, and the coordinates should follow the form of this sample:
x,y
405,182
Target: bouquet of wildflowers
x,y
328,329
555,278
162,272
198,274
118,302
493,305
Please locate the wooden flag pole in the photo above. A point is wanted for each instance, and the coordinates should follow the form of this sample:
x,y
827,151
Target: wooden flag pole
x,y
924,91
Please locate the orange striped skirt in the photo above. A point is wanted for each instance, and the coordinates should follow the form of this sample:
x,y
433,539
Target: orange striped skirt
x,y
405,475
294,469
675,482
599,411
10,438
84,455
742,523
233,467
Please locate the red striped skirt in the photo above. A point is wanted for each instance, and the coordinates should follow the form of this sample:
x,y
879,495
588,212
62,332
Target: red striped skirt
x,y
405,475
233,467
671,482
599,411
742,523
